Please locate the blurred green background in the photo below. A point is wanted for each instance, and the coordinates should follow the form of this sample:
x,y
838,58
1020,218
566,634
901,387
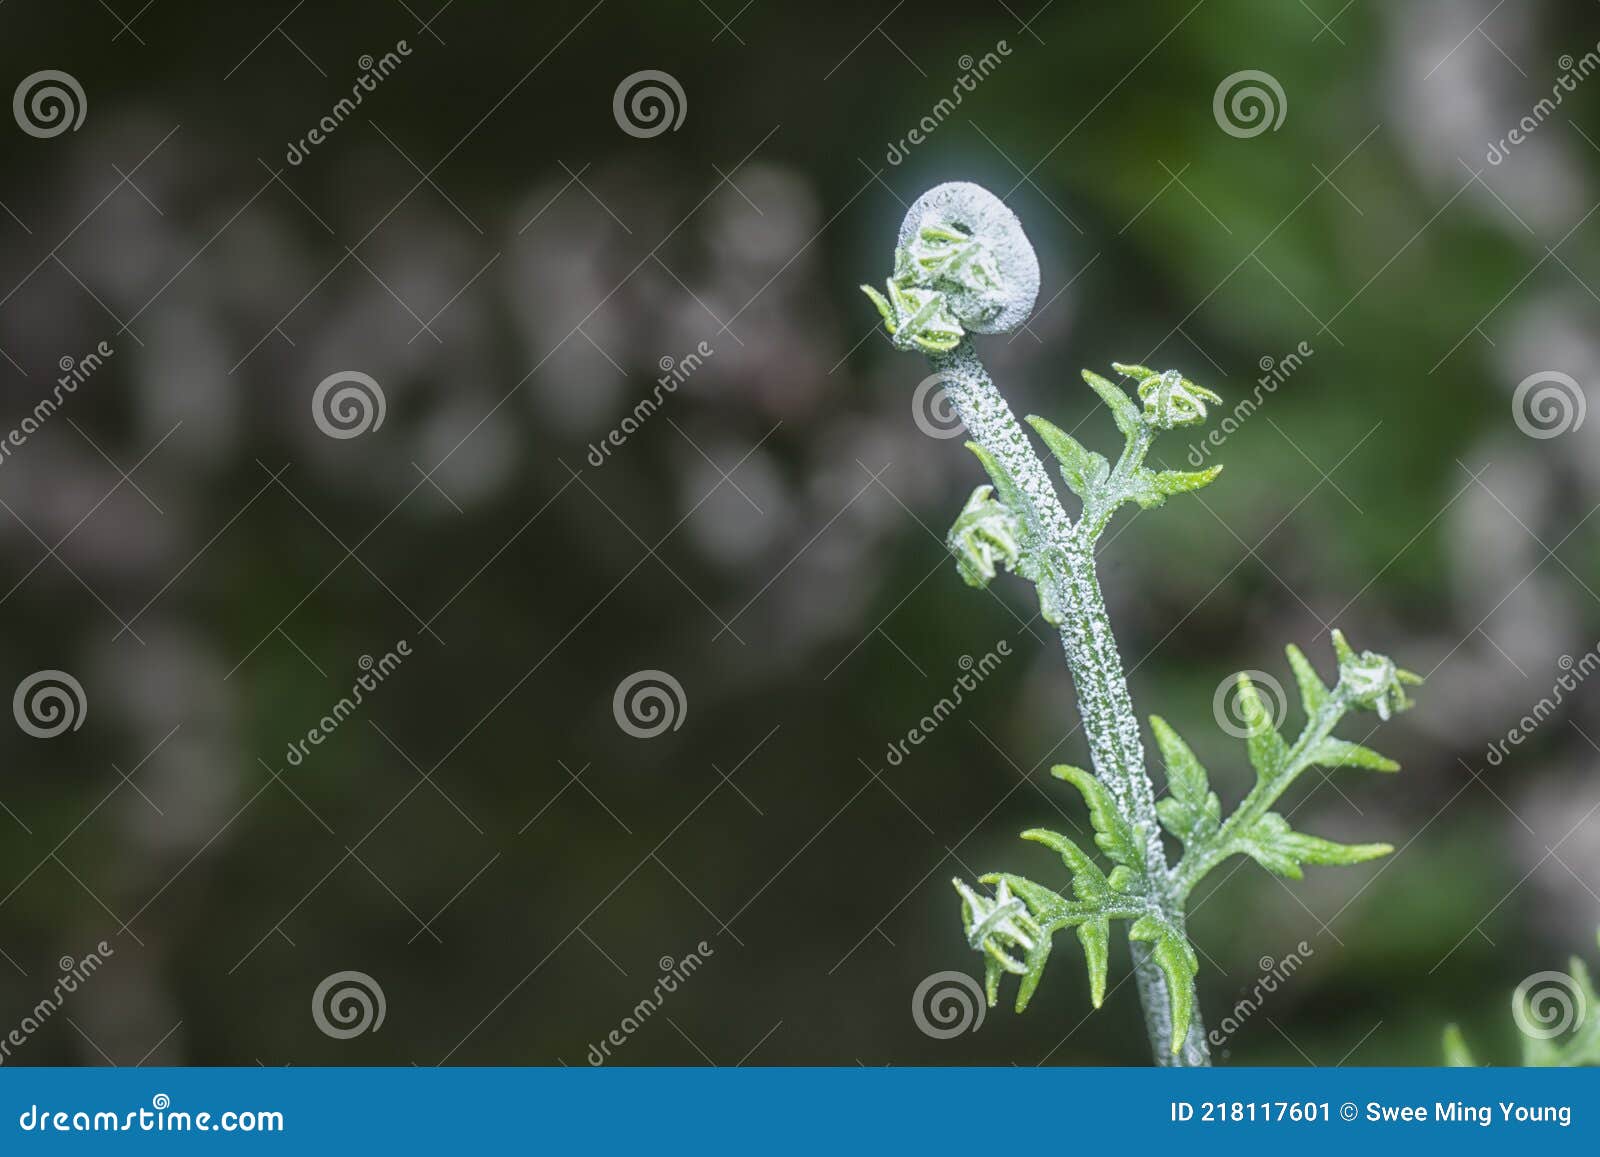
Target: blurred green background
x,y
483,239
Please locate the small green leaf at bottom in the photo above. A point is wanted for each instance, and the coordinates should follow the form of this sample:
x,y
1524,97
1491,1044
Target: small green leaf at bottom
x,y
1170,949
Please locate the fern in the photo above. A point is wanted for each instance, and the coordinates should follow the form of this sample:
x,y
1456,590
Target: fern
x,y
1558,1014
963,266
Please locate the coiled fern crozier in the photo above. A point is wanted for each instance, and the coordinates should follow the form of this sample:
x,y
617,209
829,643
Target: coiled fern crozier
x,y
963,266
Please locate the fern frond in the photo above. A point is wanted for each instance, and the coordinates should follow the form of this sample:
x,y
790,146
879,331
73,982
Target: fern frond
x,y
1366,681
963,266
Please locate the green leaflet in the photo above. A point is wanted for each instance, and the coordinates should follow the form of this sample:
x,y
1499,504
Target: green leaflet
x,y
1342,753
1089,883
937,254
1190,810
917,318
1011,495
1028,563
1269,754
1278,848
1048,907
1312,692
1095,936
1456,1053
1111,832
985,536
1178,963
1140,374
1084,470
1123,412
1151,488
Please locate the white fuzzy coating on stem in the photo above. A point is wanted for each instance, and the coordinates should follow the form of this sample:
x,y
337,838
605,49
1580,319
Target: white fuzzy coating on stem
x,y
1104,703
1050,536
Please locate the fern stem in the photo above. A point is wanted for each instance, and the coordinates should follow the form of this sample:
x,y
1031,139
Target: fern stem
x,y
1105,705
